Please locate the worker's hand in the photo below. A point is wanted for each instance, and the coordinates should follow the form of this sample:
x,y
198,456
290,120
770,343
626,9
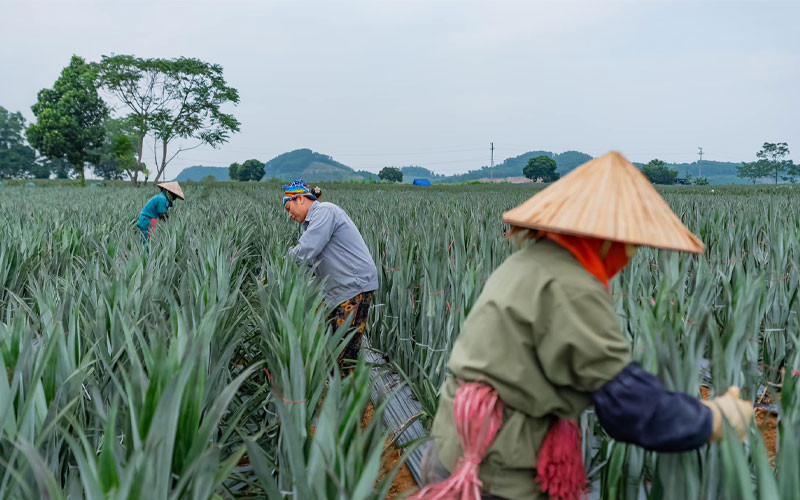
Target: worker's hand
x,y
737,412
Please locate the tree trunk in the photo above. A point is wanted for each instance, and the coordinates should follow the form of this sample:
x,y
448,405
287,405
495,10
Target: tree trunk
x,y
83,177
135,177
163,160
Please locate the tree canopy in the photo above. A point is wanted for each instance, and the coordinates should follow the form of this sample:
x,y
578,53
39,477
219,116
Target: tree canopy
x,y
117,156
754,170
70,117
171,99
392,174
17,158
251,170
774,154
541,167
659,173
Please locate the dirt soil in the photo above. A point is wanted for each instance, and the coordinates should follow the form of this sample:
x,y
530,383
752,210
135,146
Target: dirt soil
x,y
767,422
403,483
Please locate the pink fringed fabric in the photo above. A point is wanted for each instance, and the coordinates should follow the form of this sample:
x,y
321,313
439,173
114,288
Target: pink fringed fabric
x,y
478,415
560,470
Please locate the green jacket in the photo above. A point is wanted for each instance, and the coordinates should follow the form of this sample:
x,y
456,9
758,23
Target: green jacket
x,y
544,334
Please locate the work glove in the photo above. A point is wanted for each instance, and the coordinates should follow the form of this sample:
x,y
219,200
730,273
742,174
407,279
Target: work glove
x,y
737,412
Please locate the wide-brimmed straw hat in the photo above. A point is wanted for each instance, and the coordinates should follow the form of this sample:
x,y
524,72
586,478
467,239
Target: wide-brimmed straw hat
x,y
606,198
173,187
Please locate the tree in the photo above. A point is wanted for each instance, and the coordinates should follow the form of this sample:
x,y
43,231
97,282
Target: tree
x,y
391,174
233,171
792,172
774,154
61,169
171,99
251,170
659,173
541,167
17,158
69,117
117,156
40,170
701,181
753,170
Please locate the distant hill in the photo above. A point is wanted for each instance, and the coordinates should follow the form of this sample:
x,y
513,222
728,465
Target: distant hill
x,y
309,166
316,167
198,173
717,172
512,167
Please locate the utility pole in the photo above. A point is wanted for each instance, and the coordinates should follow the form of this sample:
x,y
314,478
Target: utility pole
x,y
491,169
699,166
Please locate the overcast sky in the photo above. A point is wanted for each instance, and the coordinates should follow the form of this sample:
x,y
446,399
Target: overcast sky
x,y
432,83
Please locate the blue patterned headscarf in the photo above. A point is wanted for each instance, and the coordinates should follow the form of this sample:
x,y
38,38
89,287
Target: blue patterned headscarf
x,y
295,189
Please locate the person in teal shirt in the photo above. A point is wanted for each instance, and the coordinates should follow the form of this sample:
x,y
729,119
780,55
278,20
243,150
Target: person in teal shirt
x,y
157,208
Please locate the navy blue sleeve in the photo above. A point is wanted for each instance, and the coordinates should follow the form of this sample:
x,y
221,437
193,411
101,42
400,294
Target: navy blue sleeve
x,y
634,407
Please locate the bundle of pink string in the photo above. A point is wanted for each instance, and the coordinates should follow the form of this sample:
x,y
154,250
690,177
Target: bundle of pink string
x,y
478,415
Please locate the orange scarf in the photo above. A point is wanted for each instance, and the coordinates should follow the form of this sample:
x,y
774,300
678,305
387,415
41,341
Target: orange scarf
x,y
588,251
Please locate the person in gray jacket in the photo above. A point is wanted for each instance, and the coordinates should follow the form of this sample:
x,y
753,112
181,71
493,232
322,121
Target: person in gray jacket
x,y
332,244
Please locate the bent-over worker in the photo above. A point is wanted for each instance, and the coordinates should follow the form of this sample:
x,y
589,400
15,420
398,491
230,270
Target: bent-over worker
x,y
157,208
542,343
332,244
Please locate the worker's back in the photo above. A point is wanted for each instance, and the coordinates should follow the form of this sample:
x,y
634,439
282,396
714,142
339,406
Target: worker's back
x,y
544,335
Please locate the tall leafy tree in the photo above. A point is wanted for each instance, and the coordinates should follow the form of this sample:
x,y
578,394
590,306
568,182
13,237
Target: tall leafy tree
x,y
659,173
17,158
170,100
251,170
41,170
792,171
392,174
774,153
753,170
541,167
118,153
233,171
69,117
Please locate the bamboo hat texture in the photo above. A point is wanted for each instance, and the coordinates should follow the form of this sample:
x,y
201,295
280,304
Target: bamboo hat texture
x,y
173,187
606,198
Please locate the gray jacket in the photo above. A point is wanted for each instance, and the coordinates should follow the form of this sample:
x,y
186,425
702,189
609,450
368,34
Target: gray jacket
x,y
332,243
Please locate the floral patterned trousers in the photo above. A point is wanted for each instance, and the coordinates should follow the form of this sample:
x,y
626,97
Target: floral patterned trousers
x,y
358,306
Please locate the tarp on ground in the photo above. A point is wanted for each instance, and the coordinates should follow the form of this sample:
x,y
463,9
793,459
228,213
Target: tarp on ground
x,y
422,182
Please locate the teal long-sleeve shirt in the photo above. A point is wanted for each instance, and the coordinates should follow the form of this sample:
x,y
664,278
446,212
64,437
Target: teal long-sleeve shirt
x,y
156,206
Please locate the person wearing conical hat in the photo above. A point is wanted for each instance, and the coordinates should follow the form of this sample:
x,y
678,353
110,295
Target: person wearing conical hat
x,y
157,207
542,343
332,244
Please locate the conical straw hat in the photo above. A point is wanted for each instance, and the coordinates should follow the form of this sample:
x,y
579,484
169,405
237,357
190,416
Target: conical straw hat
x,y
606,198
174,188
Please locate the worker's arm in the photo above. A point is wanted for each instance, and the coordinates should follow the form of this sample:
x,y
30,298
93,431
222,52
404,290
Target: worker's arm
x,y
634,407
586,350
162,208
316,236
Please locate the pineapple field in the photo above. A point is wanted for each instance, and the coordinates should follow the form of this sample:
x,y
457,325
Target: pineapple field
x,y
201,366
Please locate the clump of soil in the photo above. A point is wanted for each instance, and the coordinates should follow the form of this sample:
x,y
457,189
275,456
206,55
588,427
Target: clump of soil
x,y
403,483
768,423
